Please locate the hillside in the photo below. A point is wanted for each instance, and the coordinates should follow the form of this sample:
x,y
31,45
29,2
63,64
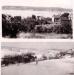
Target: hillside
x,y
48,67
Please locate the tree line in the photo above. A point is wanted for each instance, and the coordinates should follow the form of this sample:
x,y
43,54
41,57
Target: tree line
x,y
11,26
32,57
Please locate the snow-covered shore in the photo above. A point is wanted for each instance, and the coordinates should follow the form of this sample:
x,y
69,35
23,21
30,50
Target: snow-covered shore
x,y
63,66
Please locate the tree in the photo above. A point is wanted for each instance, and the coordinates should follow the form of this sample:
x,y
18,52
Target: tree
x,y
66,23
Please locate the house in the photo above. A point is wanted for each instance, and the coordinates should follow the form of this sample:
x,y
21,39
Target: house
x,y
65,17
57,19
44,20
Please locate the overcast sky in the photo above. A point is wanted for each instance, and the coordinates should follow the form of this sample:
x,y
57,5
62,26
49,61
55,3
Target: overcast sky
x,y
35,3
27,13
39,3
40,45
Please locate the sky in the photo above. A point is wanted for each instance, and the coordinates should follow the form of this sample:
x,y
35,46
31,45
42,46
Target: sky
x,y
38,3
27,13
35,3
40,45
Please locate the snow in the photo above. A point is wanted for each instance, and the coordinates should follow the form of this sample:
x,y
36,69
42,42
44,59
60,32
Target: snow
x,y
47,67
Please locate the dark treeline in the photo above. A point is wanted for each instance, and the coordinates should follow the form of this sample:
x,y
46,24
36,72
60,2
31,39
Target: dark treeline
x,y
32,57
11,26
14,59
22,58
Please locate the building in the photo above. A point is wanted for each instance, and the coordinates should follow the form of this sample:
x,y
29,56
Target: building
x,y
65,17
57,19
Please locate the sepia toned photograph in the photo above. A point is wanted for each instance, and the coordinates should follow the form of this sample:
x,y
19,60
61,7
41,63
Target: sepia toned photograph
x,y
37,37
37,22
37,58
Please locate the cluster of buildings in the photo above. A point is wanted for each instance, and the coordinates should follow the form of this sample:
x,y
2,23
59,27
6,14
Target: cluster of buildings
x,y
55,18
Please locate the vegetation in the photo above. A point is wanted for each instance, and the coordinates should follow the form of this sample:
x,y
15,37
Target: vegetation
x,y
13,59
32,57
11,26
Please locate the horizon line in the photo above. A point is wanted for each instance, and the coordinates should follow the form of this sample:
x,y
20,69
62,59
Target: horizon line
x,y
36,8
